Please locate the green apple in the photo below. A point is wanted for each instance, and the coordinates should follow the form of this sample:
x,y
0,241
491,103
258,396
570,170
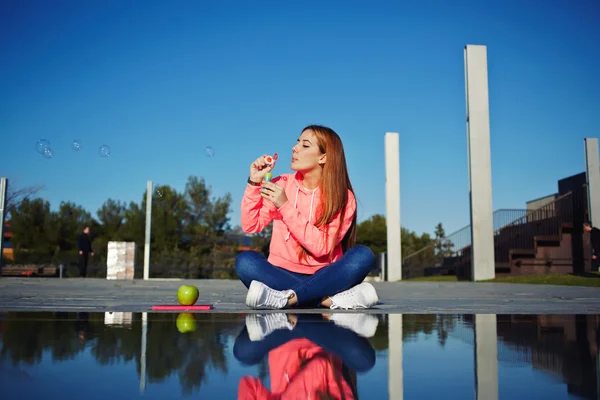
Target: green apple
x,y
186,322
187,295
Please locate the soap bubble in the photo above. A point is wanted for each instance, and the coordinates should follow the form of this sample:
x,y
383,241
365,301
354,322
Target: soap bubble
x,y
76,145
41,145
209,151
104,151
48,153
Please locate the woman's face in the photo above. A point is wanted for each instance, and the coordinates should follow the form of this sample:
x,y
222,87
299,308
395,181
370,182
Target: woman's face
x,y
306,155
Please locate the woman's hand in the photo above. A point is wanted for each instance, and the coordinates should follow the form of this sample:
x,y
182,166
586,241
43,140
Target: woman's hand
x,y
259,168
274,193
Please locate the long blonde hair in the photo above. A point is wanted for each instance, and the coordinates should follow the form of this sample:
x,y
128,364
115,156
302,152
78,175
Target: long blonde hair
x,y
334,184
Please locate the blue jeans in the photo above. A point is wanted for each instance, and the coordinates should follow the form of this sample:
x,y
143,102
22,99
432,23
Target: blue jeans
x,y
355,351
350,270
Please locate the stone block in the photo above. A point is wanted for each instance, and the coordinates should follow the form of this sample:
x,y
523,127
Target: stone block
x,y
120,260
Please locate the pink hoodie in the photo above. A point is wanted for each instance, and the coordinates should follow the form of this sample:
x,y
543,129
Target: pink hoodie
x,y
294,224
299,369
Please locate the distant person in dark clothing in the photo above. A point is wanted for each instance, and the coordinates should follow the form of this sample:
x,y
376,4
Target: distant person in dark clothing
x,y
84,245
595,243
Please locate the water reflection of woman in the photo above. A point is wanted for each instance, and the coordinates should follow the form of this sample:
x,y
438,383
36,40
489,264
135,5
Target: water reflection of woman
x,y
309,357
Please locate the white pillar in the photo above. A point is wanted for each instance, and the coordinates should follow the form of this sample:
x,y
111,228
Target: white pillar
x,y
392,206
592,169
148,229
3,189
395,359
480,165
143,352
486,357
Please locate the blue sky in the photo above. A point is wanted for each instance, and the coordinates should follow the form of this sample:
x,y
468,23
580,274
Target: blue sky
x,y
159,81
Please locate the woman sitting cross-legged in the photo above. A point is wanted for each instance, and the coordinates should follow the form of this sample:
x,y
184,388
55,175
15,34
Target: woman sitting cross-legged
x,y
313,259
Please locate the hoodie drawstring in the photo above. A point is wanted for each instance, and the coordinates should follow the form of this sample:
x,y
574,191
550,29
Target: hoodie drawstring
x,y
312,198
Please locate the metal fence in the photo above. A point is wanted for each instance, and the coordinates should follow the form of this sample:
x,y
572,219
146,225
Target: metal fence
x,y
447,254
522,237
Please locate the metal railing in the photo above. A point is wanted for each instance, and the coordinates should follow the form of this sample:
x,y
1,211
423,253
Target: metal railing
x,y
518,233
520,238
443,255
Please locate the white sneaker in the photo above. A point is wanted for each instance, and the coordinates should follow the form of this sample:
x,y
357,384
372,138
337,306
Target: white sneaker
x,y
260,296
359,296
363,324
261,325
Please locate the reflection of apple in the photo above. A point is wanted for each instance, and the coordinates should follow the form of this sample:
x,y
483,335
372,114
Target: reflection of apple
x,y
187,295
186,322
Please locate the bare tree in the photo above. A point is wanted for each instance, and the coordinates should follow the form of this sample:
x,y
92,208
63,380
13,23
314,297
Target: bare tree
x,y
14,195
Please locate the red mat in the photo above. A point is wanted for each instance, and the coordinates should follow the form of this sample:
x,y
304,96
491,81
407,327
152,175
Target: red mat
x,y
182,308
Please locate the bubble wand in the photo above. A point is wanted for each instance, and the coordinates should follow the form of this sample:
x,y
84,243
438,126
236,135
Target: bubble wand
x,y
270,161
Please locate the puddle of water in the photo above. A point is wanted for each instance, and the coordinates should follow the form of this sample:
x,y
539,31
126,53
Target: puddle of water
x,y
122,355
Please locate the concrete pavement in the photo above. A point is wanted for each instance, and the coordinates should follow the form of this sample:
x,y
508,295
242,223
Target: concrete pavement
x,y
76,294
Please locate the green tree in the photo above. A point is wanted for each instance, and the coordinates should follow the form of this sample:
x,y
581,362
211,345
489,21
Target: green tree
x,y
418,253
373,233
111,216
189,236
16,195
133,230
206,222
69,221
205,219
168,215
67,224
443,245
262,240
134,224
32,227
